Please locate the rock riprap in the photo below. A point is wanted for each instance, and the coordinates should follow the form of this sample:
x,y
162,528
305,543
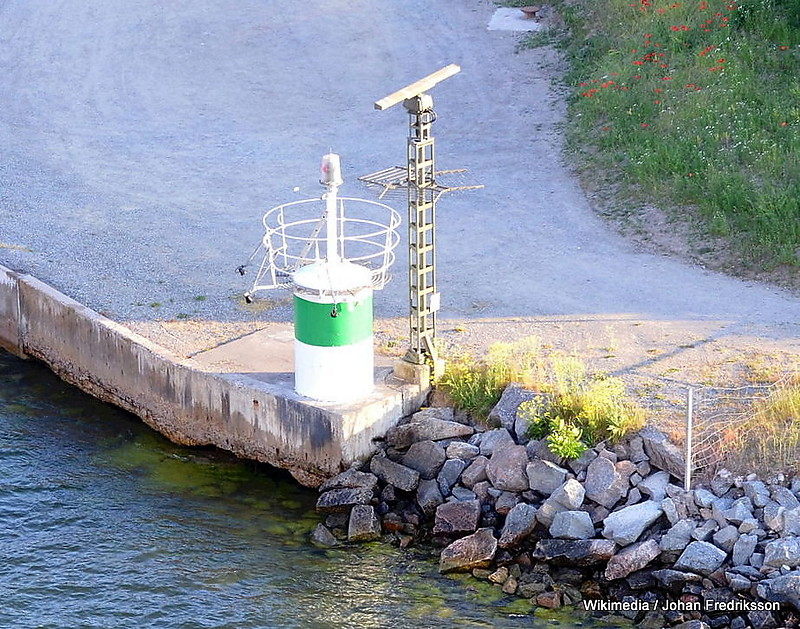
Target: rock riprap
x,y
614,524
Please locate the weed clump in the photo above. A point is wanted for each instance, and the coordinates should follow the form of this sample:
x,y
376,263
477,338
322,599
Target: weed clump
x,y
578,410
575,411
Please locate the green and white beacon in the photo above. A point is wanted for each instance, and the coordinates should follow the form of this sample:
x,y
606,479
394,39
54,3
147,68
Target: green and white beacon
x,y
333,263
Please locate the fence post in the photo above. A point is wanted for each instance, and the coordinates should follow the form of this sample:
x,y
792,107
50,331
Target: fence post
x,y
687,483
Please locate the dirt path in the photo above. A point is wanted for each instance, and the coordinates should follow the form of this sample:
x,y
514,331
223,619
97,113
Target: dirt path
x,y
142,142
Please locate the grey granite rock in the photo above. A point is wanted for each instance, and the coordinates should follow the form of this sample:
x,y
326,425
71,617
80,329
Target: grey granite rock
x,y
704,498
586,552
743,549
506,468
784,497
462,450
782,589
504,413
782,552
634,557
655,485
474,551
429,496
350,479
726,537
757,491
572,525
604,485
678,537
544,476
425,428
663,454
506,501
462,493
583,461
364,525
495,440
568,497
739,511
342,500
393,473
519,524
774,516
791,522
457,517
427,457
475,472
449,474
626,525
323,537
700,557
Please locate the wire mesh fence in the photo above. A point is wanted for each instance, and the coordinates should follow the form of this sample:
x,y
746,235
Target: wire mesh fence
x,y
718,421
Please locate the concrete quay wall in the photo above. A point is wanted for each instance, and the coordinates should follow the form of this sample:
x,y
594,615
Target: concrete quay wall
x,y
235,412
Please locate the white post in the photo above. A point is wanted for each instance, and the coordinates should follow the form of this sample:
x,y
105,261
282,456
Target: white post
x,y
331,176
687,483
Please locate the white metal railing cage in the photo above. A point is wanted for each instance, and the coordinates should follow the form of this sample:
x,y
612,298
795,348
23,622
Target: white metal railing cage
x,y
295,235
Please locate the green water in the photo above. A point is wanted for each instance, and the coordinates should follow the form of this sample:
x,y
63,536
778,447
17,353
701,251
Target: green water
x,y
103,523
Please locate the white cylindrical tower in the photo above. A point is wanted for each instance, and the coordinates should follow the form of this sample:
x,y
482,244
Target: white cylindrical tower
x,y
333,331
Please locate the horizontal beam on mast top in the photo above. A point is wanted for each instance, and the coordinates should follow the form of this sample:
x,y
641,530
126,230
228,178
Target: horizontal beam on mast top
x,y
418,87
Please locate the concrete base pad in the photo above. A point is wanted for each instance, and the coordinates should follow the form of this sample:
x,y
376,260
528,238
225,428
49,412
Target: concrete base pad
x,y
238,396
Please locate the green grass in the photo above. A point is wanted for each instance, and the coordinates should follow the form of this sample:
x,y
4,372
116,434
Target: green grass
x,y
697,104
578,408
476,384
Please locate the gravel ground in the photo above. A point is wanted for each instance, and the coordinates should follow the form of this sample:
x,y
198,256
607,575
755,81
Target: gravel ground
x,y
143,140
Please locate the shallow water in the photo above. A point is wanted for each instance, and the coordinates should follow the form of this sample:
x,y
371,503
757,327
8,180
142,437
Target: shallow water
x,y
103,523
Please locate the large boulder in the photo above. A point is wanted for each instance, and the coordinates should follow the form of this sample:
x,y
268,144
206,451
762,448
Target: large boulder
x,y
568,497
426,428
701,558
475,472
663,454
350,479
429,496
626,525
427,457
343,499
504,412
449,474
604,484
520,522
581,553
462,450
474,551
321,536
364,525
506,469
495,440
393,473
782,552
743,549
544,476
630,559
572,525
457,517
678,537
655,485
782,589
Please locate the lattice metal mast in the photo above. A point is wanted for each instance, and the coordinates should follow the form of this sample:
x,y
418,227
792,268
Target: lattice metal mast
x,y
423,295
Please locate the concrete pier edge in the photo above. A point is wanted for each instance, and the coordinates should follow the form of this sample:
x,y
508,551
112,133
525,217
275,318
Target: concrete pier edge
x,y
233,411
